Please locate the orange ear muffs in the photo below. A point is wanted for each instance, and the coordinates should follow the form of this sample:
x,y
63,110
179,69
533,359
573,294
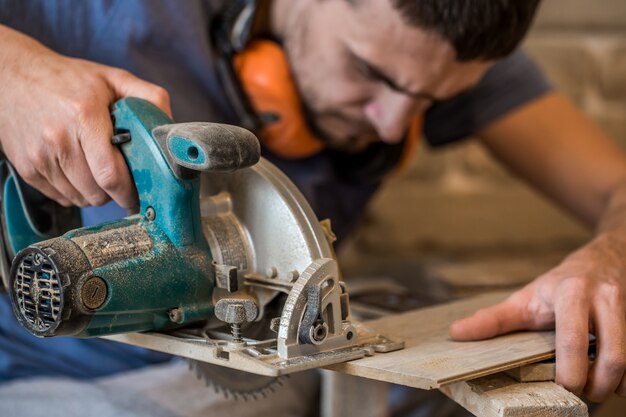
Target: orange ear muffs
x,y
264,74
413,137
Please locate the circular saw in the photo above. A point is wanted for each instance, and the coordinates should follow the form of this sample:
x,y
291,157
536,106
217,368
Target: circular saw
x,y
225,264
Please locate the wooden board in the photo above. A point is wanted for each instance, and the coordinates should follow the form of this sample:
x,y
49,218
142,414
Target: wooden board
x,y
544,371
501,396
431,359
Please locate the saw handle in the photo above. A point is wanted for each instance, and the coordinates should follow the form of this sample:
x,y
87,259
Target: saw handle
x,y
209,147
166,158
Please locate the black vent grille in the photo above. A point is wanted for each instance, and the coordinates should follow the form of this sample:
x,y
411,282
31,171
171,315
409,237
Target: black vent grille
x,y
37,291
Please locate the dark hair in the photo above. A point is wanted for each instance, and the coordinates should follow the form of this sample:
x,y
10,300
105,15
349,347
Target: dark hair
x,y
477,29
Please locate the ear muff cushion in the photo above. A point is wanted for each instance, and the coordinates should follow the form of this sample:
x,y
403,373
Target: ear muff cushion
x,y
265,76
413,138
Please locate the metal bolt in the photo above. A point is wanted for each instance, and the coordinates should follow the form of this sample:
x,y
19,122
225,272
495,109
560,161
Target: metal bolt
x,y
93,293
318,332
176,315
272,272
293,275
235,315
37,259
235,330
236,311
150,214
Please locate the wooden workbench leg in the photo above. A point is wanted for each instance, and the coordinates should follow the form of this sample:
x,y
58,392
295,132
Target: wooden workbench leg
x,y
346,395
501,396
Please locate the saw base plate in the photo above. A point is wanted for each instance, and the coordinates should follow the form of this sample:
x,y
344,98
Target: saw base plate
x,y
258,357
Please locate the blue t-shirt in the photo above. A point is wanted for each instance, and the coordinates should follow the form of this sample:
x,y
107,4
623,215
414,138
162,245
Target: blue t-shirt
x,y
167,42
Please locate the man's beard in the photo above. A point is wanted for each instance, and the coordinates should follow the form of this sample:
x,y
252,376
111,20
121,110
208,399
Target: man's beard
x,y
295,49
348,144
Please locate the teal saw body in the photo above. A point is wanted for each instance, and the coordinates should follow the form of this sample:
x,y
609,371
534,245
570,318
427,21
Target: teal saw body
x,y
237,265
149,271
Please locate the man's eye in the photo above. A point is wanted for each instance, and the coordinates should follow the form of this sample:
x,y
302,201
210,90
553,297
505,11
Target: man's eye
x,y
365,70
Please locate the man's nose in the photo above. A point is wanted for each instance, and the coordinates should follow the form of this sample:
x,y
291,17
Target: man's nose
x,y
390,114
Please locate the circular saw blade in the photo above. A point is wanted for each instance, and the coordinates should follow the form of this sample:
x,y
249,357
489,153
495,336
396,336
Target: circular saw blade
x,y
235,384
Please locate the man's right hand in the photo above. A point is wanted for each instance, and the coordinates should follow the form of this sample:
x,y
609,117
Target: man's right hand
x,y
55,123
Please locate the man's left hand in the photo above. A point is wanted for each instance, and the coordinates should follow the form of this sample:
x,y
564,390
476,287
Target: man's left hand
x,y
585,294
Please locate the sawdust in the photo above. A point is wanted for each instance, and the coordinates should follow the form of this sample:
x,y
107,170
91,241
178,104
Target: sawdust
x,y
115,244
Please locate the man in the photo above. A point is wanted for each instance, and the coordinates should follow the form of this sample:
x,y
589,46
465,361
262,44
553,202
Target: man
x,y
364,69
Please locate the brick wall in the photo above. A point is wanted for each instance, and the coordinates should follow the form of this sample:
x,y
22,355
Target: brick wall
x,y
582,47
460,200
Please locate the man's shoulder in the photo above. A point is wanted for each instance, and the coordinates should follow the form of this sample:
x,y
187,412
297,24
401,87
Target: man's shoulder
x,y
509,84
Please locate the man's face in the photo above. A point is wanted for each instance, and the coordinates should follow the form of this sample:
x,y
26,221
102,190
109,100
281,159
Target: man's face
x,y
364,73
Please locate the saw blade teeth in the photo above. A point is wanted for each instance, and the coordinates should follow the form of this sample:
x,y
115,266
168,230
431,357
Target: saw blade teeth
x,y
233,384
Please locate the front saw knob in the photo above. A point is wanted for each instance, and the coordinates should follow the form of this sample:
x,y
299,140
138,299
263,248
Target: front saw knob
x,y
210,147
236,311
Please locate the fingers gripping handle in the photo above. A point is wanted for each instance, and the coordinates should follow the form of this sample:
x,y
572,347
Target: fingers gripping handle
x,y
209,147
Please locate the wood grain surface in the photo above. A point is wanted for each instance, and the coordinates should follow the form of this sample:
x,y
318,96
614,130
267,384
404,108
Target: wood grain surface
x,y
431,359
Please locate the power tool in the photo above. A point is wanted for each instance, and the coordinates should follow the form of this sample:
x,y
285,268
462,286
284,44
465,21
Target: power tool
x,y
225,263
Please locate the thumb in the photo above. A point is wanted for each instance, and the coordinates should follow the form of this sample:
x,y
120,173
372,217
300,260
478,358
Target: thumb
x,y
507,316
125,84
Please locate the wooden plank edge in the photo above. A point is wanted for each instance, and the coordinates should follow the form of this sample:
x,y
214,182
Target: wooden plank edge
x,y
496,369
424,383
501,396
